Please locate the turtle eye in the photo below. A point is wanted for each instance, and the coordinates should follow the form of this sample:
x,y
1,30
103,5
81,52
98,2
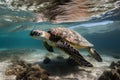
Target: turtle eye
x,y
35,33
32,33
38,34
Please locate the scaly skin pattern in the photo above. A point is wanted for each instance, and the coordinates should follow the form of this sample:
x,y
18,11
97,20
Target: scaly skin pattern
x,y
73,53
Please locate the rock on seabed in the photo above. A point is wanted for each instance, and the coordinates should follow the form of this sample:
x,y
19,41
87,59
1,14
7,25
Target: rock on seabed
x,y
58,69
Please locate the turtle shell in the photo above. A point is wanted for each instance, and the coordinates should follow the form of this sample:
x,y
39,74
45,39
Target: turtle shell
x,y
71,36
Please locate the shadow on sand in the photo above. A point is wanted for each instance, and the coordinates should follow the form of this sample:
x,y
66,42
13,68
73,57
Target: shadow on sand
x,y
60,67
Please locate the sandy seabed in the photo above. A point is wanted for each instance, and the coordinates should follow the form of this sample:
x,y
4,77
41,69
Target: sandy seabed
x,y
58,68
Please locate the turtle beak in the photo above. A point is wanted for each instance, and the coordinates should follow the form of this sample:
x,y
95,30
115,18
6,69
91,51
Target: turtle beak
x,y
31,33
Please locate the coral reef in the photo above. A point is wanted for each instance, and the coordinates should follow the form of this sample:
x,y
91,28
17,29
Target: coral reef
x,y
27,71
115,65
113,74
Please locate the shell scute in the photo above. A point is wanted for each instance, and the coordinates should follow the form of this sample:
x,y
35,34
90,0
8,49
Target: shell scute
x,y
71,36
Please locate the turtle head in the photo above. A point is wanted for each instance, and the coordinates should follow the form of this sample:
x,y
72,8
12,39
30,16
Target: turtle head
x,y
39,34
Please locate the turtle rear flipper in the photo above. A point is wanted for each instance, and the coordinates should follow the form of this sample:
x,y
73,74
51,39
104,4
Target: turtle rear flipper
x,y
73,53
95,54
48,47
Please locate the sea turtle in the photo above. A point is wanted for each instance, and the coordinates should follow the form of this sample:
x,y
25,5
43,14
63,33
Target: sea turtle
x,y
67,40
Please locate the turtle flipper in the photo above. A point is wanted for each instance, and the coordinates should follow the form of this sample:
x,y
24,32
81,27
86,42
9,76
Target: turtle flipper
x,y
48,47
73,53
95,54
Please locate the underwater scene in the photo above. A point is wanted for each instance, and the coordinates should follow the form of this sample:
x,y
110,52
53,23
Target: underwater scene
x,y
59,39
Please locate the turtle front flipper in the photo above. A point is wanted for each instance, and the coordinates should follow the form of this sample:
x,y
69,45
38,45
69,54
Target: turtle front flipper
x,y
73,53
48,47
95,54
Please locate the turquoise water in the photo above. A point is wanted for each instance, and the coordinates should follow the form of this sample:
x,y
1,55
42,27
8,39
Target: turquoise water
x,y
102,31
104,35
15,42
15,25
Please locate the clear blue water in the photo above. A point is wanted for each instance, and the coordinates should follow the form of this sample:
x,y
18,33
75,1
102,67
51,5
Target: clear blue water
x,y
15,26
15,42
104,35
